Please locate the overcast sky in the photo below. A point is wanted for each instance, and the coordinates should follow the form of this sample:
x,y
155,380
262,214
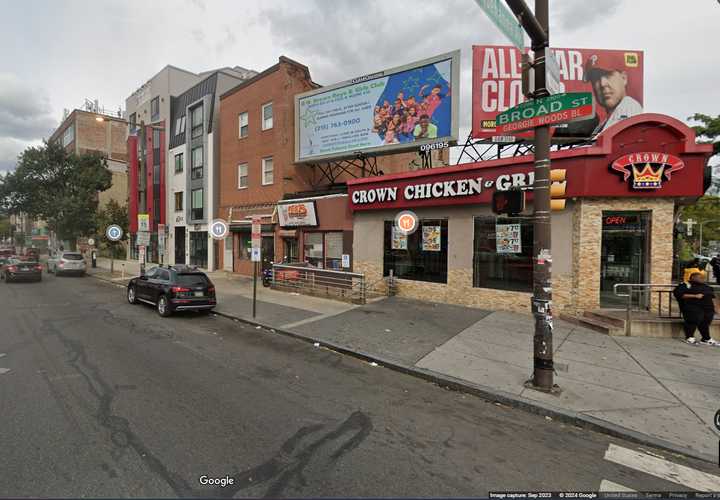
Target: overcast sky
x,y
56,53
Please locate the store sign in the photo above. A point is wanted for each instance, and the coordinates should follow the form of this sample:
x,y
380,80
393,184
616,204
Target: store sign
x,y
647,170
297,214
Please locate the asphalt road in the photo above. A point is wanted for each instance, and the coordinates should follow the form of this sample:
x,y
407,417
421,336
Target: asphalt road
x,y
101,398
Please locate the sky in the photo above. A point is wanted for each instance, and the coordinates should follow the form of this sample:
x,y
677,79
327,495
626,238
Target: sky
x,y
56,53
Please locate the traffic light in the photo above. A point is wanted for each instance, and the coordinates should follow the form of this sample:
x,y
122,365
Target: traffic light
x,y
557,189
510,202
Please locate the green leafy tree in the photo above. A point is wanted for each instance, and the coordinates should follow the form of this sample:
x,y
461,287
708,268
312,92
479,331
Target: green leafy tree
x,y
709,132
59,187
112,213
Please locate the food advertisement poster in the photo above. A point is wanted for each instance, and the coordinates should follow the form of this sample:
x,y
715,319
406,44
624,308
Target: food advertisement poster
x,y
431,238
399,240
507,238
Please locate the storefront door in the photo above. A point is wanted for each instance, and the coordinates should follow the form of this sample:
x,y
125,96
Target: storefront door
x,y
624,255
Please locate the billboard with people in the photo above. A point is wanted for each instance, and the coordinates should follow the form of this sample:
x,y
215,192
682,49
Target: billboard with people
x,y
615,77
388,111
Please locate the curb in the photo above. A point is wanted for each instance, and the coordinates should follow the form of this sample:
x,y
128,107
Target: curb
x,y
493,395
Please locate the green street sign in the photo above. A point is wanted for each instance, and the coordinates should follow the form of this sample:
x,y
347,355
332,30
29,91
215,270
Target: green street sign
x,y
551,110
504,20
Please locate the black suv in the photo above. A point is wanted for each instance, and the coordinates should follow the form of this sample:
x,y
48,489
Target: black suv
x,y
173,288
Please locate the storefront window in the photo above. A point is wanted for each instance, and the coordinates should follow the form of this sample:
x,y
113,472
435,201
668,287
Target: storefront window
x,y
421,256
502,253
244,246
313,249
291,249
333,250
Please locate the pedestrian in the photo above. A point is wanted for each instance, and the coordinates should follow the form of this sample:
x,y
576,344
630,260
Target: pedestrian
x,y
715,266
697,305
695,266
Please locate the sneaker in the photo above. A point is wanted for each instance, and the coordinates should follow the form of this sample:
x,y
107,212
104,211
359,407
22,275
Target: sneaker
x,y
711,342
691,340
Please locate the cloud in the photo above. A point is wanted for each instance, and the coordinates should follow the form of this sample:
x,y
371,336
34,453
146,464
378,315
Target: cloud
x,y
25,113
200,4
571,15
228,41
198,35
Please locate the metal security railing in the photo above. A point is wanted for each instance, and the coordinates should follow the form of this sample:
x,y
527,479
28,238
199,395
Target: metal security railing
x,y
652,300
342,285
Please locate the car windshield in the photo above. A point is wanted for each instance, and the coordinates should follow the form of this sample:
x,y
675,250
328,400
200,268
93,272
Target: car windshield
x,y
192,279
72,256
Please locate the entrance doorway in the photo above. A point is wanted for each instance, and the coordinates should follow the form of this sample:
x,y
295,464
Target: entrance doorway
x,y
624,257
267,251
179,244
199,249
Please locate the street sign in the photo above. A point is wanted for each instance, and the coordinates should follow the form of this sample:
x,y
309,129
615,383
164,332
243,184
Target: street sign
x,y
91,241
504,20
255,254
141,253
219,229
143,222
114,232
346,261
551,110
161,239
256,231
143,238
552,74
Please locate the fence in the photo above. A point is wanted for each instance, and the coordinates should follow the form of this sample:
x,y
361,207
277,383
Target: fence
x,y
342,285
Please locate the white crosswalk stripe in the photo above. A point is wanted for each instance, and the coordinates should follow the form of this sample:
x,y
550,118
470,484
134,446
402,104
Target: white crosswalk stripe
x,y
663,469
606,485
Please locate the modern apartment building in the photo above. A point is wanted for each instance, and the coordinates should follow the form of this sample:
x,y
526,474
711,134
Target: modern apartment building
x,y
258,171
96,130
193,167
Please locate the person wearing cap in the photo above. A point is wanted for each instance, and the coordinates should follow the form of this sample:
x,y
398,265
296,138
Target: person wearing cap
x,y
609,83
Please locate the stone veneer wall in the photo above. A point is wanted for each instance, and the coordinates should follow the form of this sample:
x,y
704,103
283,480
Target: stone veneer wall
x,y
587,236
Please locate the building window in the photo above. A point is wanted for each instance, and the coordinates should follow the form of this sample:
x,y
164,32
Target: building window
x,y
502,253
420,256
156,147
197,204
179,201
244,247
197,163
180,125
68,135
267,116
132,119
155,109
179,160
333,250
242,176
313,249
196,121
243,125
267,171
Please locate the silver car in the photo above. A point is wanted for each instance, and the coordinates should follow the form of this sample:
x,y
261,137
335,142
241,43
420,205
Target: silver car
x,y
62,263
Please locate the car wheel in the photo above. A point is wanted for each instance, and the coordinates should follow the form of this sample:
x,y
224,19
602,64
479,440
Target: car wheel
x,y
163,308
131,295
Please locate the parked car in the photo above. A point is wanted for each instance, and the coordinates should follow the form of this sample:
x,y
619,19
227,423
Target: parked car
x,y
22,270
173,288
62,263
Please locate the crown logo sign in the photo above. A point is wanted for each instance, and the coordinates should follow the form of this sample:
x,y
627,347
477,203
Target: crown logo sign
x,y
647,178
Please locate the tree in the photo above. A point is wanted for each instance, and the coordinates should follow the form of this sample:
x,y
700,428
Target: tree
x,y
59,187
709,132
112,213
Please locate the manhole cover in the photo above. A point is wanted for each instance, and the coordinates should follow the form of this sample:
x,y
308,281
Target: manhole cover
x,y
679,355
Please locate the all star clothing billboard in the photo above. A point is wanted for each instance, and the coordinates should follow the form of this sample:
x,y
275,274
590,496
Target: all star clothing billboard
x,y
615,77
385,112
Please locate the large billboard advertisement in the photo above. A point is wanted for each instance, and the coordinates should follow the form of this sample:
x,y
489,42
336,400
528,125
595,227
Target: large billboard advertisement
x,y
615,77
385,112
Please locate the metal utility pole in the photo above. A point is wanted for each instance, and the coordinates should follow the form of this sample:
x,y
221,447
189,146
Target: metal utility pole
x,y
536,26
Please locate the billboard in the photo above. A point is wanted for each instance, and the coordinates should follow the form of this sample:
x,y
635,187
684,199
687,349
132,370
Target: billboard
x,y
615,77
386,112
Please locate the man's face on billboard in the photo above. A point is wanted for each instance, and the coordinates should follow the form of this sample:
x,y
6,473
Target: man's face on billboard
x,y
610,88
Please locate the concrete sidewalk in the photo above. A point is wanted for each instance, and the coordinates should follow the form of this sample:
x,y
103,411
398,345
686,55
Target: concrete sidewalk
x,y
661,392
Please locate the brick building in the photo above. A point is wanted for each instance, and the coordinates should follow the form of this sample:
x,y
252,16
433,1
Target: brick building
x,y
258,170
84,131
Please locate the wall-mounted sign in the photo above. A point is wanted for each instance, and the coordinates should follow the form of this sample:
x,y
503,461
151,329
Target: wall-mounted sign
x,y
406,222
433,146
346,261
297,214
219,229
647,170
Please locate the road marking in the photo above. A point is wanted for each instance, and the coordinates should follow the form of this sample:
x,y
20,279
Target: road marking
x,y
663,469
606,485
3,371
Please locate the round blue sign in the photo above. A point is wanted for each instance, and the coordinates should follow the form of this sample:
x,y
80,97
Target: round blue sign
x,y
114,232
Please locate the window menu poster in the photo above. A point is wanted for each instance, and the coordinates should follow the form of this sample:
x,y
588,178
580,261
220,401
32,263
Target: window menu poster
x,y
399,239
507,238
431,238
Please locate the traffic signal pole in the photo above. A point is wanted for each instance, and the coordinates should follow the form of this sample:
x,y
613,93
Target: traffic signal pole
x,y
537,28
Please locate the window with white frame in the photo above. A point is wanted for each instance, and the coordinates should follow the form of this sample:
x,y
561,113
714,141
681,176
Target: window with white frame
x,y
242,176
243,125
267,116
267,171
180,125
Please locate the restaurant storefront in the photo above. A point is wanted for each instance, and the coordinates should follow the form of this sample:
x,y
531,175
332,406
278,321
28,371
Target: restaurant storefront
x,y
621,199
